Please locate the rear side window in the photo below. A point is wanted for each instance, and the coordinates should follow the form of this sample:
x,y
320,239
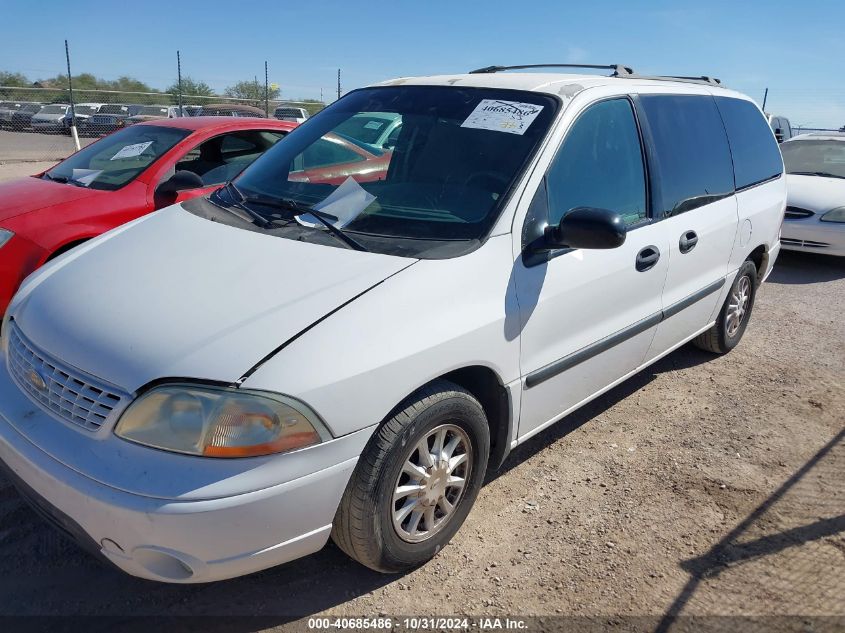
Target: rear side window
x,y
755,152
692,151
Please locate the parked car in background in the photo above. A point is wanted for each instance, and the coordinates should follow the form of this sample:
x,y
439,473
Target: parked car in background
x,y
22,118
231,109
376,129
52,117
334,158
9,108
83,112
781,127
290,359
108,118
286,113
154,112
815,176
117,179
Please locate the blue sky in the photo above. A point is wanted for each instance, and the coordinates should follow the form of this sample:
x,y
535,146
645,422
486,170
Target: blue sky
x,y
796,49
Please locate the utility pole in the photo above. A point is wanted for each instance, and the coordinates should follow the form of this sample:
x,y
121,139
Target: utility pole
x,y
765,96
73,133
266,92
179,79
338,83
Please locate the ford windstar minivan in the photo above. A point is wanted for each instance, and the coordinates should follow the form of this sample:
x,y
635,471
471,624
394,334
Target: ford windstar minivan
x,y
221,386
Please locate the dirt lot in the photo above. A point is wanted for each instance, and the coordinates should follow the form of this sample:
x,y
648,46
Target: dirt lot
x,y
702,486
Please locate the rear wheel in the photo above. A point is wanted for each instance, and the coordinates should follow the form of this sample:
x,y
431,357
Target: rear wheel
x,y
416,480
733,318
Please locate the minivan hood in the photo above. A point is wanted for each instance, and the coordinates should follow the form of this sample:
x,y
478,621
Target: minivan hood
x,y
815,193
179,296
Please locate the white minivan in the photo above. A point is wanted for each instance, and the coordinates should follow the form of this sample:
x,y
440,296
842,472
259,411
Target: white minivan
x,y
221,386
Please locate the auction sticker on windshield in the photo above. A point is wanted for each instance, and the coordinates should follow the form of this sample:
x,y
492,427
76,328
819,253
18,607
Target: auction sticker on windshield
x,y
130,151
513,117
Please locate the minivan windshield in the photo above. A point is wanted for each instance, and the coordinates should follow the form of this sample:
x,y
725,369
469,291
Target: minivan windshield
x,y
117,159
814,157
444,180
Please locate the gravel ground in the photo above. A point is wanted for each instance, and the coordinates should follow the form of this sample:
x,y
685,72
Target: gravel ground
x,y
704,485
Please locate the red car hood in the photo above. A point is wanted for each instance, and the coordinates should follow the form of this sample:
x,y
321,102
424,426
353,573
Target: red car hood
x,y
30,194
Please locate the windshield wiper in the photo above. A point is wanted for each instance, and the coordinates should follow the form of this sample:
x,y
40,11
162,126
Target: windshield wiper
x,y
296,209
824,174
63,180
238,200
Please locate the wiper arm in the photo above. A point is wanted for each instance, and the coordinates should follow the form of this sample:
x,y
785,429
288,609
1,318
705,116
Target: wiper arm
x,y
238,198
63,180
296,209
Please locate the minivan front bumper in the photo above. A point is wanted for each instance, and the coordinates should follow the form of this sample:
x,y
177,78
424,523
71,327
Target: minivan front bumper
x,y
167,539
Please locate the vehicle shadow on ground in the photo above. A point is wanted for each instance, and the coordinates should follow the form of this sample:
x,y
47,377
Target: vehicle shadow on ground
x,y
683,358
42,573
793,267
736,548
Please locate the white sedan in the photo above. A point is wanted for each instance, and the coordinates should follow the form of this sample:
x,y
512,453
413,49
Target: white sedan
x,y
815,211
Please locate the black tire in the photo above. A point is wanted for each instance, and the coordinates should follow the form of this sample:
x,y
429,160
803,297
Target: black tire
x,y
717,339
363,526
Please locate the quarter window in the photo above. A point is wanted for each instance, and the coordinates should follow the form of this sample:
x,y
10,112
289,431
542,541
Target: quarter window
x,y
755,152
600,164
692,151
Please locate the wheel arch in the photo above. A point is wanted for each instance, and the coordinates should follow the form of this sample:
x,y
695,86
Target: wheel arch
x,y
486,386
760,257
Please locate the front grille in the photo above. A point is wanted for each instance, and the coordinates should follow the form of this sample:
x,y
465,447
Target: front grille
x,y
73,396
796,213
102,120
806,243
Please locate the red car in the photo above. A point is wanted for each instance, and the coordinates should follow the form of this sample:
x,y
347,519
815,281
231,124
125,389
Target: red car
x,y
119,178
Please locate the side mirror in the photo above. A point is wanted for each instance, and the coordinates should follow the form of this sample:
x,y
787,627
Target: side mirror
x,y
180,181
586,227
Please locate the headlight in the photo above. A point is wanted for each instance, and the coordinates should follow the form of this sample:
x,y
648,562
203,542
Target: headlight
x,y
836,215
5,236
220,422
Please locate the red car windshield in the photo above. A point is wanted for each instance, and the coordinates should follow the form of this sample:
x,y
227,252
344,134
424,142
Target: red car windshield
x,y
117,159
444,177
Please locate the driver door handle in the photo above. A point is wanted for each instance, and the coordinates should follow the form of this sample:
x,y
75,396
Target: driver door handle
x,y
647,258
688,241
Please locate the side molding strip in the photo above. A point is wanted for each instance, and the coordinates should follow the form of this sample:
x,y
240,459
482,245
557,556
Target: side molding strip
x,y
676,307
585,353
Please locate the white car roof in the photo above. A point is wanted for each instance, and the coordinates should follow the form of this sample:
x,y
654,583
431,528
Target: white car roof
x,y
818,136
553,83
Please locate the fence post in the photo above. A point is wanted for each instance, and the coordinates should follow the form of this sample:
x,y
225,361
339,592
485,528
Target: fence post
x,y
179,78
266,92
338,83
73,133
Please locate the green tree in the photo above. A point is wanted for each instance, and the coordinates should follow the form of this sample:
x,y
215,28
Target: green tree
x,y
14,80
190,88
252,91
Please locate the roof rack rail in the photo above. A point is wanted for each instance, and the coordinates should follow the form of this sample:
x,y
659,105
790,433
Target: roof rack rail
x,y
618,69
704,79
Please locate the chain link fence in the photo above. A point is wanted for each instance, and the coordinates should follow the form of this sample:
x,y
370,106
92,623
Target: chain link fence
x,y
36,122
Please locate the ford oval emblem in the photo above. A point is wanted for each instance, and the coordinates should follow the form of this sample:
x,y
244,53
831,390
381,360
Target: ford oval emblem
x,y
36,380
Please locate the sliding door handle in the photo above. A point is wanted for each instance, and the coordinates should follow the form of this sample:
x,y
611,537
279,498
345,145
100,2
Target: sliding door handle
x,y
688,241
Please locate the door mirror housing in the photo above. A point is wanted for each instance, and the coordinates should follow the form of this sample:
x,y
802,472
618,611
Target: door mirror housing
x,y
586,227
180,181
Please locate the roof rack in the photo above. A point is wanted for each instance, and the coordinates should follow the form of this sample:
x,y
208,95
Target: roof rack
x,y
712,81
618,69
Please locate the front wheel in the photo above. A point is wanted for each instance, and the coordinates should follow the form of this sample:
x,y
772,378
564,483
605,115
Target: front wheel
x,y
416,480
733,318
